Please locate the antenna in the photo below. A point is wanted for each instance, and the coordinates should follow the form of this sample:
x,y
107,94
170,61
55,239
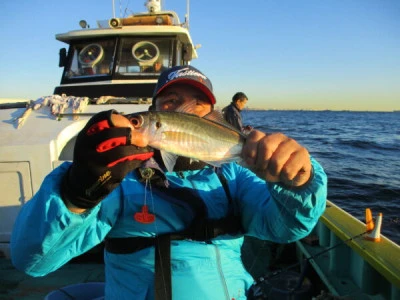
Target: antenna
x,y
187,14
113,4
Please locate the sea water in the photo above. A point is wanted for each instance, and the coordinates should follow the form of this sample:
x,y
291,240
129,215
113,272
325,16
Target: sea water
x,y
360,152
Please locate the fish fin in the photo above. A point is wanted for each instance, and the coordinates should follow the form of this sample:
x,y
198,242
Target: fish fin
x,y
243,163
217,117
187,108
169,160
214,116
219,163
192,160
214,163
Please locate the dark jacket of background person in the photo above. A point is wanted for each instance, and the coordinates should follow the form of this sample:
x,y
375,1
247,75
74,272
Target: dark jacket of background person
x,y
233,116
232,112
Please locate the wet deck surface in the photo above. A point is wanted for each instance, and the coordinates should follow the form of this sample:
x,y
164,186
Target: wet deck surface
x,y
16,285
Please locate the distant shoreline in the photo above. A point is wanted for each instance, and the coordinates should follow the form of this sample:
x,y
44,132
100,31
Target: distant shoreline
x,y
5,101
323,110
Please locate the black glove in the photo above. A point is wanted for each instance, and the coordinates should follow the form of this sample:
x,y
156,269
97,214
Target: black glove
x,y
103,155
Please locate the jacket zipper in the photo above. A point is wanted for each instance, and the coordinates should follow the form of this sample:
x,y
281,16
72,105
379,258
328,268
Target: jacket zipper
x,y
221,274
218,258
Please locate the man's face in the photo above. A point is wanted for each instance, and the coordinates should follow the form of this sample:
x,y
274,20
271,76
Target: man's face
x,y
157,66
183,96
241,103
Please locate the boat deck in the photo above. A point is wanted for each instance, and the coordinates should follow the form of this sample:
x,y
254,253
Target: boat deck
x,y
17,285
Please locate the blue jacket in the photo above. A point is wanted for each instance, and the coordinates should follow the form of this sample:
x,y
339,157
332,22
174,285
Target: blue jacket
x,y
47,235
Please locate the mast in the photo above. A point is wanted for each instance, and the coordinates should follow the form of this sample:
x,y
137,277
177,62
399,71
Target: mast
x,y
113,7
187,14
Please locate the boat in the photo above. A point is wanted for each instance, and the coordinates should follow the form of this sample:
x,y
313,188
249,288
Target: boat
x,y
110,67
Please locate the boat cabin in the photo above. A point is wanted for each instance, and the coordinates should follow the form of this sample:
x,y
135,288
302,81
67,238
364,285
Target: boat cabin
x,y
123,57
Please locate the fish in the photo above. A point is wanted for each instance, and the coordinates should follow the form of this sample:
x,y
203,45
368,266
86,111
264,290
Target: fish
x,y
209,139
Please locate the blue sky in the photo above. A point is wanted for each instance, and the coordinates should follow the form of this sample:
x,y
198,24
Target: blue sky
x,y
325,54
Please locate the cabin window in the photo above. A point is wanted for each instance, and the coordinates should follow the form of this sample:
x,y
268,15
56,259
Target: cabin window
x,y
144,56
91,59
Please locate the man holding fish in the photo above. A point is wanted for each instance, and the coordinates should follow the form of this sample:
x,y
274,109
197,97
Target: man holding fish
x,y
171,192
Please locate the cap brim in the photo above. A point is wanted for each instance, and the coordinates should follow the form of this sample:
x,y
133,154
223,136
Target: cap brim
x,y
191,82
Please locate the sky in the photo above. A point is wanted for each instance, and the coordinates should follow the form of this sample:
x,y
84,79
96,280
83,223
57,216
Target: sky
x,y
283,54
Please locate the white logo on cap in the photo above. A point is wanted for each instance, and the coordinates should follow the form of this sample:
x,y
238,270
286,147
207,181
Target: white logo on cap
x,y
184,73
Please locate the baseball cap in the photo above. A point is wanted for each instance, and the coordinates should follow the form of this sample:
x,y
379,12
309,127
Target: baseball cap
x,y
187,75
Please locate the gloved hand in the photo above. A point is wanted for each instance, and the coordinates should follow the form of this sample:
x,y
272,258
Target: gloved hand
x,y
103,155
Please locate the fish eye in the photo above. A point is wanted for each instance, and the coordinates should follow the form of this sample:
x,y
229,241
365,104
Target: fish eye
x,y
137,121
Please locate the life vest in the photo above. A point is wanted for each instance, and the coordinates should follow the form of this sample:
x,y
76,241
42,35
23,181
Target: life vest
x,y
201,229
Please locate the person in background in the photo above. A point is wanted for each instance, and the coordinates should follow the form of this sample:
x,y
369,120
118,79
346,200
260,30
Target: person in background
x,y
186,241
232,112
103,68
157,67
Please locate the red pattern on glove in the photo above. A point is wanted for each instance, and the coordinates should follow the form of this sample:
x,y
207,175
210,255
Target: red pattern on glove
x,y
103,155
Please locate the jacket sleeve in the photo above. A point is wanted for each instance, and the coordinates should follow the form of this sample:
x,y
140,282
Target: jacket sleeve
x,y
46,235
273,212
